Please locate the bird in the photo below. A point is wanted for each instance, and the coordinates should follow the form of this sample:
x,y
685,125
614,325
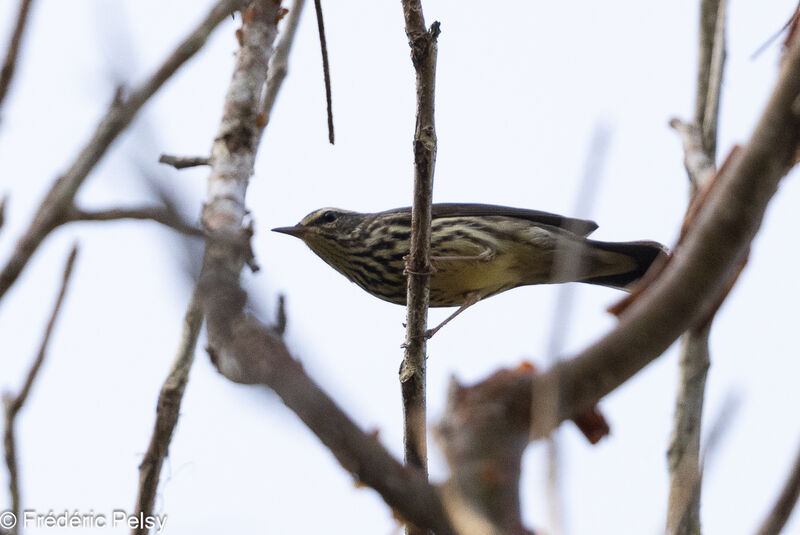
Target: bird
x,y
477,251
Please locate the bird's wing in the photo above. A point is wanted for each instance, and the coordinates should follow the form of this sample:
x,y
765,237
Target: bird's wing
x,y
582,227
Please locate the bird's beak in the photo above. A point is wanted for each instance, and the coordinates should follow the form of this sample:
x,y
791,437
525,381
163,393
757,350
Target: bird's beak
x,y
297,231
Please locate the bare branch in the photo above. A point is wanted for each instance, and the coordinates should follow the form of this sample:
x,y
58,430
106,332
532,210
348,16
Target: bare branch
x,y
325,67
709,121
13,404
683,455
699,142
481,440
152,213
691,283
711,50
117,118
182,162
233,153
279,64
7,73
701,268
423,43
167,412
247,352
782,509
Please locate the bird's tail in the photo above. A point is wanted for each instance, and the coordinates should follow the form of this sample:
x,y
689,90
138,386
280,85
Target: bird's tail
x,y
643,254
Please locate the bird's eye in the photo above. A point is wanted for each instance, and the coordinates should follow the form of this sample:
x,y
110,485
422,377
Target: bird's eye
x,y
328,217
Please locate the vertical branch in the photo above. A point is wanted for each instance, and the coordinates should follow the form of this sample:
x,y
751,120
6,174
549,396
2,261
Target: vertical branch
x,y
709,121
423,43
13,404
683,454
13,49
709,12
700,140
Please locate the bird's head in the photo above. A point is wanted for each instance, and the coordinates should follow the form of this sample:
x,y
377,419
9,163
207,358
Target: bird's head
x,y
326,231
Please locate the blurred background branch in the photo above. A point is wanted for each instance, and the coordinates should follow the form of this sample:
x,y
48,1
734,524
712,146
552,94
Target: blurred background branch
x,y
13,404
12,52
61,196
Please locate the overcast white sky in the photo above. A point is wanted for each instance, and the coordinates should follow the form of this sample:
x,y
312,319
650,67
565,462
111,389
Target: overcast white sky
x,y
521,87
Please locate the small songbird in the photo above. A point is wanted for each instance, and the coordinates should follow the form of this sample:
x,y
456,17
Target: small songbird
x,y
477,250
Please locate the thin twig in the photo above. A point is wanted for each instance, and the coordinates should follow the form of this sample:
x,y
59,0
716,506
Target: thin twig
x,y
182,162
13,404
7,73
325,67
151,213
782,510
279,64
423,43
167,412
774,37
117,118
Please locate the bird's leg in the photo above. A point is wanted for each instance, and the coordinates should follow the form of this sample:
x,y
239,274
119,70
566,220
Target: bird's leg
x,y
469,300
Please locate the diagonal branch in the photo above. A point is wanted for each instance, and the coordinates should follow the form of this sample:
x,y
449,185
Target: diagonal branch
x,y
167,412
248,352
9,65
172,390
119,115
423,43
13,404
688,288
701,268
